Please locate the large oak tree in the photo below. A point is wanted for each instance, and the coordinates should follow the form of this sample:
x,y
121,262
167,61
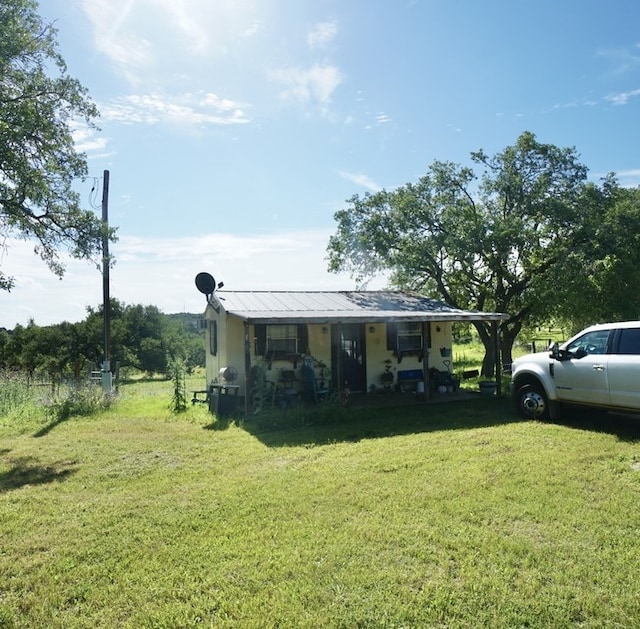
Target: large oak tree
x,y
496,240
39,106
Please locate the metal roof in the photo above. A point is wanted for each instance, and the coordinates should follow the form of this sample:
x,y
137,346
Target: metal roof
x,y
340,306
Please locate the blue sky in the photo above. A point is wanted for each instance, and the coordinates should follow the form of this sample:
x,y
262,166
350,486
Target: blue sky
x,y
234,130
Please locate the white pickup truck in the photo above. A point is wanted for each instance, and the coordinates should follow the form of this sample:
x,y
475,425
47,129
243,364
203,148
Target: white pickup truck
x,y
600,367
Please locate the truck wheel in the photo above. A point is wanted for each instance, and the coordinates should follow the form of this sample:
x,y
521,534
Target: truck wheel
x,y
531,402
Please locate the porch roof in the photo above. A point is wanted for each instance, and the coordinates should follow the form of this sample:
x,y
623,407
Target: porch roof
x,y
341,307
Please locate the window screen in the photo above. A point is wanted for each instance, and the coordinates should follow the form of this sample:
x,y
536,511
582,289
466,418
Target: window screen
x,y
409,336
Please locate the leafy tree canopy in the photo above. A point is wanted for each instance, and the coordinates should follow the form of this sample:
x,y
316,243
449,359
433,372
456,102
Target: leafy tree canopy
x,y
498,240
39,106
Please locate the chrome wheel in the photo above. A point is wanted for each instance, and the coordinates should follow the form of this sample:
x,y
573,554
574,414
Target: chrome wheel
x,y
532,402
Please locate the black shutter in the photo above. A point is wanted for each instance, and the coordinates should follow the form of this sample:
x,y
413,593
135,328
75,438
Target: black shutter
x,y
303,338
392,336
260,330
213,337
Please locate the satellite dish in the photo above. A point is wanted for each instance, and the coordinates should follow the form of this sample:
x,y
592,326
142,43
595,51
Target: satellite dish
x,y
205,283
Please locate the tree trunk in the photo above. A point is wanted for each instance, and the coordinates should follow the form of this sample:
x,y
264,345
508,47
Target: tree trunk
x,y
489,361
507,336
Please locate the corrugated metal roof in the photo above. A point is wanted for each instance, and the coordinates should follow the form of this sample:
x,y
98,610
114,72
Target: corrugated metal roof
x,y
347,306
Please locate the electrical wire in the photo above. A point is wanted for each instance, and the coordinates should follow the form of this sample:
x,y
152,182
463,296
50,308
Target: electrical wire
x,y
93,194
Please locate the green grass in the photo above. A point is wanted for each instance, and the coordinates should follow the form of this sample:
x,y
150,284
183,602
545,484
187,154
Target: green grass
x,y
451,515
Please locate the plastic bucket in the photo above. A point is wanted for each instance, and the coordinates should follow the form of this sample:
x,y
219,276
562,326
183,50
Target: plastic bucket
x,y
488,387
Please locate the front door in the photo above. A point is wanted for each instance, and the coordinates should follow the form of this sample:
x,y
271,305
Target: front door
x,y
348,344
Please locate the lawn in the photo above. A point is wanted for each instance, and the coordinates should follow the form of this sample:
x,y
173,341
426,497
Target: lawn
x,y
450,515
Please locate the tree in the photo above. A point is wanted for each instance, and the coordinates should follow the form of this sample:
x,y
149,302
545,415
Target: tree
x,y
600,281
488,242
39,106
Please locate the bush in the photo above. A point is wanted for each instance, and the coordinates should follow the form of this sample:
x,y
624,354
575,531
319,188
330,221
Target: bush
x,y
77,401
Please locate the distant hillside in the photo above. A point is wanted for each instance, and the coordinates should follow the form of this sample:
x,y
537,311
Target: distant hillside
x,y
190,319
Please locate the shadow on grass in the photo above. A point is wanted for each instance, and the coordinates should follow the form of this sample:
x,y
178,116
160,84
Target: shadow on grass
x,y
27,471
45,430
356,424
373,423
625,427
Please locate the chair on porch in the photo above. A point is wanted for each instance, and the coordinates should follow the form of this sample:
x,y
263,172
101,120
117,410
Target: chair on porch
x,y
310,389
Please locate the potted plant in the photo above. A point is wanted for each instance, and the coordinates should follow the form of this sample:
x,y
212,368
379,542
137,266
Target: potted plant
x,y
387,376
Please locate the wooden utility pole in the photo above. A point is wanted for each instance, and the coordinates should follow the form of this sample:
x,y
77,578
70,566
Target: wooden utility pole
x,y
106,301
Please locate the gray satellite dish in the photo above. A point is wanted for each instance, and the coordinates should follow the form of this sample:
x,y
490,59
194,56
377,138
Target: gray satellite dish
x,y
205,283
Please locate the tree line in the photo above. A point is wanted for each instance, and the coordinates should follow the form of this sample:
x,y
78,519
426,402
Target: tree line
x,y
143,340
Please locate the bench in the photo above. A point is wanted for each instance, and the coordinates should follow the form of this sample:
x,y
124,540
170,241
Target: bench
x,y
409,378
196,399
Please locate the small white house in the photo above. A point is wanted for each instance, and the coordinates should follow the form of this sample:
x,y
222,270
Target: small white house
x,y
354,337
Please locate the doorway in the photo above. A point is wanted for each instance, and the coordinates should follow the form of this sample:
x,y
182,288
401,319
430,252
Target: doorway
x,y
348,349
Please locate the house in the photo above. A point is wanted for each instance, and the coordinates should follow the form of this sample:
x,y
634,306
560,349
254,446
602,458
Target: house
x,y
354,337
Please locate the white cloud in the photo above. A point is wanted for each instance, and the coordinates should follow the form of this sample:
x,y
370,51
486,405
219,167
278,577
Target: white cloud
x,y
312,85
140,37
186,109
629,178
623,58
622,98
322,34
161,272
128,51
361,180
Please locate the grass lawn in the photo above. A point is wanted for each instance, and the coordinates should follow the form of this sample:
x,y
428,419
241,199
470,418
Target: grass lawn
x,y
451,515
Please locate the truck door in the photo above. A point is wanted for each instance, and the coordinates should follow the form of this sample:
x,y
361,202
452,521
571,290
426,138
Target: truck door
x,y
624,370
584,380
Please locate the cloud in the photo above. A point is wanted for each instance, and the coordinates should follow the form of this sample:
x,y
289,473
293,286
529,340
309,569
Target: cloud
x,y
186,109
86,139
161,272
313,85
361,180
622,98
128,51
142,37
624,58
322,34
629,178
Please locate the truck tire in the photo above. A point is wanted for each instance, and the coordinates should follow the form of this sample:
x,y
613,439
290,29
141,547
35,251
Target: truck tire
x,y
531,402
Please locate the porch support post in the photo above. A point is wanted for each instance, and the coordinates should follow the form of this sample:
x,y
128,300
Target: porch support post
x,y
247,368
426,335
496,349
339,365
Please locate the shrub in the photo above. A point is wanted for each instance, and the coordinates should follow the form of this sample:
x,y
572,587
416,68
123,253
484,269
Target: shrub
x,y
79,400
177,372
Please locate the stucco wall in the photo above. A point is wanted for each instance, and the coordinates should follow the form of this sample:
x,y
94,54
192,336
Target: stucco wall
x,y
231,350
377,352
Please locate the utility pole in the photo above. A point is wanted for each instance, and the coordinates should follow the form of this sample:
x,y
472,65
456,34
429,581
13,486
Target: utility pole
x,y
107,381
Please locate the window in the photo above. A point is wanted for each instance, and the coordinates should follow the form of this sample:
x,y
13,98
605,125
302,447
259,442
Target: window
x,y
629,341
281,340
404,337
409,336
213,338
594,342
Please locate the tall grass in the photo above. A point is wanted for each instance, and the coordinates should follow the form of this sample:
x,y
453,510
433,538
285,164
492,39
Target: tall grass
x,y
445,515
24,402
